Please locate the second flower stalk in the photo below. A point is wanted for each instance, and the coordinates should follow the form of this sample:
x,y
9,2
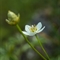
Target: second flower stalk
x,y
32,31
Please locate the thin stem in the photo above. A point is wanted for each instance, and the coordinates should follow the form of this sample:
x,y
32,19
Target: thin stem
x,y
42,47
29,42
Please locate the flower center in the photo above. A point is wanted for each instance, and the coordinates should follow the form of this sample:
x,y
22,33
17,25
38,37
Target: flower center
x,y
33,28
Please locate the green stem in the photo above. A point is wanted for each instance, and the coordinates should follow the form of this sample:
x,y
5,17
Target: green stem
x,y
29,42
42,47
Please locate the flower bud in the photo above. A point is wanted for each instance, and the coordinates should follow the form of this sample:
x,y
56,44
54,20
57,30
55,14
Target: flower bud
x,y
12,18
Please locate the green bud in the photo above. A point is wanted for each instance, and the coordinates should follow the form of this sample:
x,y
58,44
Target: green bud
x,y
12,18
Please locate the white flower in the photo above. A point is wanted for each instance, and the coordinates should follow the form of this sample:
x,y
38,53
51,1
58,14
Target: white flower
x,y
32,30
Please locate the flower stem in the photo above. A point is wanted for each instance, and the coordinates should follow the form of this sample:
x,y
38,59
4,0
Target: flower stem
x,y
42,47
30,43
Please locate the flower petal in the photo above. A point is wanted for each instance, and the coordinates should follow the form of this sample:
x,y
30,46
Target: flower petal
x,y
8,21
39,25
27,28
41,30
29,34
32,33
26,33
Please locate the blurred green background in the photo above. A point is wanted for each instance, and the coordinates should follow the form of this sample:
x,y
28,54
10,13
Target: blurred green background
x,y
13,45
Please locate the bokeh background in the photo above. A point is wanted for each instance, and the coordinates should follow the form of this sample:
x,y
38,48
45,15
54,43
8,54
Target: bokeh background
x,y
12,44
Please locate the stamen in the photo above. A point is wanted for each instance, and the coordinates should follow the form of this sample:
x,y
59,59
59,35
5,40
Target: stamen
x,y
33,28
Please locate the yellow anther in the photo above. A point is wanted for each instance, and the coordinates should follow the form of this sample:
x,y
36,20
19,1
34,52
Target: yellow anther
x,y
33,28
